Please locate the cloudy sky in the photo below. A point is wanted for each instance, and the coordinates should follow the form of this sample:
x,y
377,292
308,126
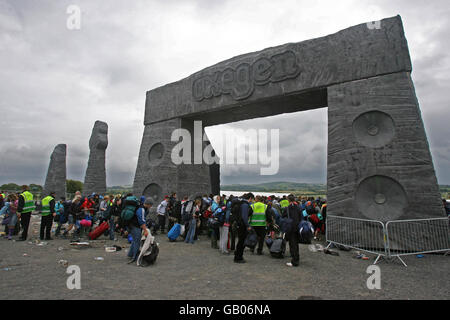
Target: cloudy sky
x,y
56,82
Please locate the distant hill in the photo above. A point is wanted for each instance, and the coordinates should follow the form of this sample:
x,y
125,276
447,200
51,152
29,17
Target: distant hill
x,y
280,187
298,188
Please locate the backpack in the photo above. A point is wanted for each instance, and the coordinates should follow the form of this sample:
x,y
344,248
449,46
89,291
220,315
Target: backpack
x,y
188,207
131,204
236,211
219,217
221,214
251,240
306,231
286,222
176,210
205,205
310,208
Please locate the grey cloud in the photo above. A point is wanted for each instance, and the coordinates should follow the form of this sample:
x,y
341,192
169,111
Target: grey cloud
x,y
57,82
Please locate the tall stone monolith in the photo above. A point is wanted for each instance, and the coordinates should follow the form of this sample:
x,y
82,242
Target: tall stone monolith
x,y
95,178
56,174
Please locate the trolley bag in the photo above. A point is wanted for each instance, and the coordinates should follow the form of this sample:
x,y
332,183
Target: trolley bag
x,y
251,240
278,248
94,234
175,232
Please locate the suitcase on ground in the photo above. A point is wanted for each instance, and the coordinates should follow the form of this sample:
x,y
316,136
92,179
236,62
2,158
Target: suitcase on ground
x,y
278,248
175,232
94,234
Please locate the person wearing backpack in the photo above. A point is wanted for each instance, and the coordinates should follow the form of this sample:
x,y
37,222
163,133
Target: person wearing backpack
x,y
224,230
136,226
243,226
293,212
234,217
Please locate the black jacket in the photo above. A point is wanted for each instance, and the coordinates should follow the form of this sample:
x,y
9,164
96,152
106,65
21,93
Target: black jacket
x,y
295,213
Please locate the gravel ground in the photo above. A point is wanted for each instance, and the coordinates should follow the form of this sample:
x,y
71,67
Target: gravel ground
x,y
185,271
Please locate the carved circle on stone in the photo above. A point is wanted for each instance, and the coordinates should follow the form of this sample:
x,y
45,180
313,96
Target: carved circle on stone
x,y
381,198
154,191
155,155
374,129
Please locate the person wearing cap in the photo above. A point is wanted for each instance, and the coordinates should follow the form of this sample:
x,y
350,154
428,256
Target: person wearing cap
x,y
136,226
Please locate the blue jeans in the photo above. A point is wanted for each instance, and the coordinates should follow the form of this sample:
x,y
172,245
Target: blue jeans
x,y
136,243
111,228
191,232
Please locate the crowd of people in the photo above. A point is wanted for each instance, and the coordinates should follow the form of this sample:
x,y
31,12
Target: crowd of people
x,y
227,221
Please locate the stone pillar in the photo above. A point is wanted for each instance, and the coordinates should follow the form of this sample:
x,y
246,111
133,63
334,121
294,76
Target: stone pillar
x,y
95,178
56,174
379,162
157,175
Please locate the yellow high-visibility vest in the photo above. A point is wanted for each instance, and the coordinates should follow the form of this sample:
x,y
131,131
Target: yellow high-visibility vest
x,y
29,203
258,219
45,211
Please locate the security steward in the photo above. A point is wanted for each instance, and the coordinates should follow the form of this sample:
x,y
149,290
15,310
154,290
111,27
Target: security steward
x,y
48,213
24,209
259,221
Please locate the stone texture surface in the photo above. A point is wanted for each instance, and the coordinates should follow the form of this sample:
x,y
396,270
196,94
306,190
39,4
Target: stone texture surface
x,y
56,174
247,82
378,153
95,178
158,177
396,179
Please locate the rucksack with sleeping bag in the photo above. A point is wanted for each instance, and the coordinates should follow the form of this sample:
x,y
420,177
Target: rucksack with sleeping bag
x,y
131,204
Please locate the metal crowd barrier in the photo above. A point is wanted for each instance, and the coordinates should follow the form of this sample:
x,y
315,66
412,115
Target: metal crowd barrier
x,y
411,237
390,239
359,234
